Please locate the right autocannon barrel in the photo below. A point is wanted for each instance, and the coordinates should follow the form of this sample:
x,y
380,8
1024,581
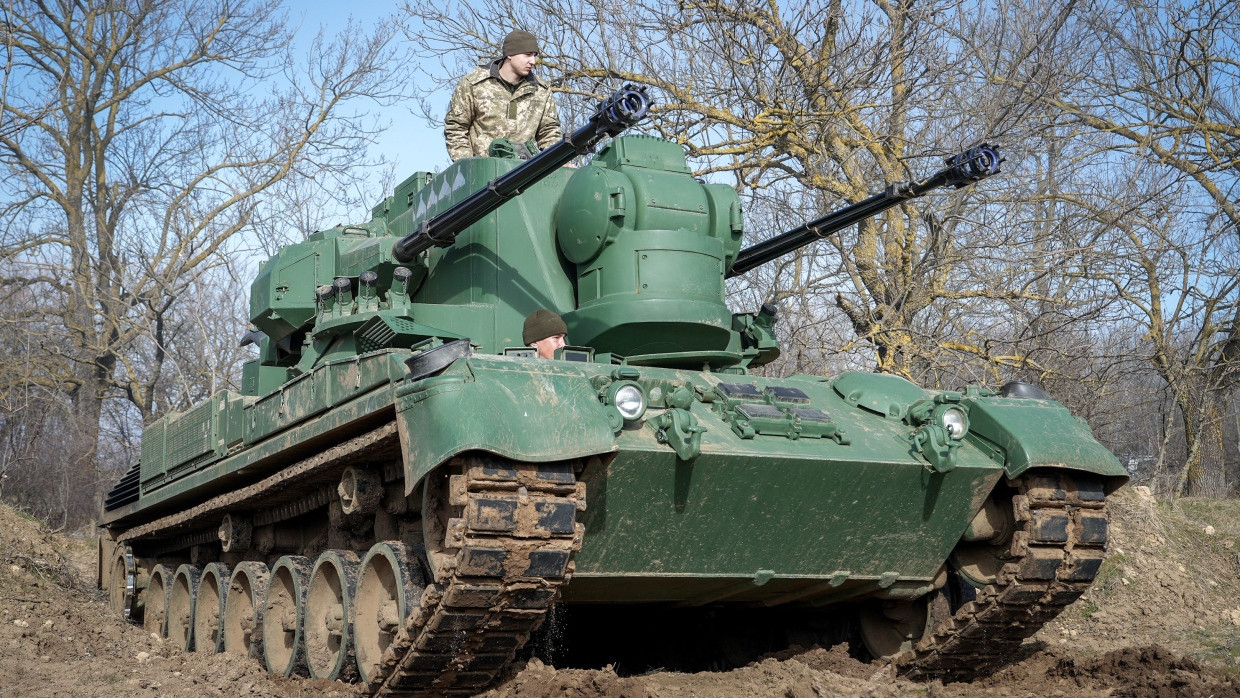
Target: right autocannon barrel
x,y
972,165
626,107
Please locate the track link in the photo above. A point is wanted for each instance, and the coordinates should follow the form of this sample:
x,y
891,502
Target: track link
x,y
509,531
1053,557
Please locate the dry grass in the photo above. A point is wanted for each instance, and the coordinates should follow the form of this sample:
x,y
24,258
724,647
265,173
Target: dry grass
x,y
37,550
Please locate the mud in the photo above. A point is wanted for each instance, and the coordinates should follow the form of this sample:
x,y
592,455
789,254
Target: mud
x,y
1163,619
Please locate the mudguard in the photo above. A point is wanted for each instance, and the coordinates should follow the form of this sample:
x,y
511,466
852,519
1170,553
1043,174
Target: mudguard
x,y
1042,434
526,411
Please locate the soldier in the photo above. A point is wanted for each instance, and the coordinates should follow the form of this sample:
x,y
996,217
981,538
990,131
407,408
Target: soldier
x,y
545,331
502,99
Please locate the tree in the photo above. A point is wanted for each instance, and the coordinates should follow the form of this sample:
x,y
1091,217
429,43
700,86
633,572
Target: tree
x,y
1161,85
818,104
139,137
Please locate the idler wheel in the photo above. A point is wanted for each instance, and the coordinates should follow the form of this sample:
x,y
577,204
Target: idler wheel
x,y
181,600
243,609
209,608
986,545
155,601
122,578
283,616
891,627
388,589
329,615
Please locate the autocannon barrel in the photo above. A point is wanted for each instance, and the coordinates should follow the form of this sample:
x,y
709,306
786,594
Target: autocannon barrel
x,y
626,107
972,165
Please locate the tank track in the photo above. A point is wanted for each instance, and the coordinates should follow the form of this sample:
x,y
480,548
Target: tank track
x,y
282,495
1053,557
505,547
506,554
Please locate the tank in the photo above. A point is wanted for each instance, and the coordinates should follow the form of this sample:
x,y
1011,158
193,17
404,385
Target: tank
x,y
402,493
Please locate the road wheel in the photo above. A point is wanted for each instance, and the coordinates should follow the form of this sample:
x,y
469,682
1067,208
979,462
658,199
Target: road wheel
x,y
388,589
243,610
209,608
329,615
155,601
283,612
181,600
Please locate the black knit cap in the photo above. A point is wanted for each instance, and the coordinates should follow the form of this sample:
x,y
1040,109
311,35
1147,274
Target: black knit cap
x,y
519,41
542,324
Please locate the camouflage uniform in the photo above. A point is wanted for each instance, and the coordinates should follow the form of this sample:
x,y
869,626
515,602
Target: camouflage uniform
x,y
485,107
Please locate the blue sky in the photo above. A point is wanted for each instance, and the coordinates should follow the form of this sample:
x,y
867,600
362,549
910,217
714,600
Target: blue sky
x,y
408,141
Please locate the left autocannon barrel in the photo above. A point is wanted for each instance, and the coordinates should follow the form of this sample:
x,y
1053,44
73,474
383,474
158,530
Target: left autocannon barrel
x,y
627,106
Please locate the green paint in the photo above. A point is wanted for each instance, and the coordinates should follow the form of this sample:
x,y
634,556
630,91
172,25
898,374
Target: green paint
x,y
729,488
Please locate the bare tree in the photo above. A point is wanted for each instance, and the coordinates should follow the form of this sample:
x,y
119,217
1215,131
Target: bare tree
x,y
810,106
11,123
166,123
1161,82
38,472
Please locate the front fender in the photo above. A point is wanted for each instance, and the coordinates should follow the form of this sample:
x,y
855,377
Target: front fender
x,y
1042,434
524,410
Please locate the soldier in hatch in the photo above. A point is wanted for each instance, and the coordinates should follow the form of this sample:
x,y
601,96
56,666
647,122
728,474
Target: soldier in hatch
x,y
502,99
545,331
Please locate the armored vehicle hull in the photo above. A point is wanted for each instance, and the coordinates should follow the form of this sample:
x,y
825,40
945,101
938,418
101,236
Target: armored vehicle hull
x,y
402,493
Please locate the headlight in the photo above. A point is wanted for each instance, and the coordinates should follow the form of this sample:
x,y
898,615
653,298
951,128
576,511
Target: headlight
x,y
628,399
953,419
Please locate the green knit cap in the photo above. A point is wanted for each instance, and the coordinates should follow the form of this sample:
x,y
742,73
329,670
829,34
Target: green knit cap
x,y
542,324
519,41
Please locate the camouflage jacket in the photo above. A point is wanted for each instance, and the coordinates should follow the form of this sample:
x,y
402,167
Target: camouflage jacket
x,y
484,108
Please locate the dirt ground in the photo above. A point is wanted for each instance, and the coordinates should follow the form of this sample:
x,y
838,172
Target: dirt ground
x,y
1162,619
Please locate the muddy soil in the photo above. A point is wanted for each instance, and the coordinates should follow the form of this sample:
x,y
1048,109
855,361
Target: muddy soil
x,y
1162,619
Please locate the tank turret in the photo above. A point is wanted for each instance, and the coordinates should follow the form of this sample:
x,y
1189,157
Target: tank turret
x,y
652,246
631,250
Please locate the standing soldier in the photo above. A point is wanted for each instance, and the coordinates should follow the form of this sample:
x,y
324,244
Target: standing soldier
x,y
502,99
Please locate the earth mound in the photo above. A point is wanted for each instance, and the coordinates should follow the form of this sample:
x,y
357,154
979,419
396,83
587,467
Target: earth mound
x,y
1162,619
